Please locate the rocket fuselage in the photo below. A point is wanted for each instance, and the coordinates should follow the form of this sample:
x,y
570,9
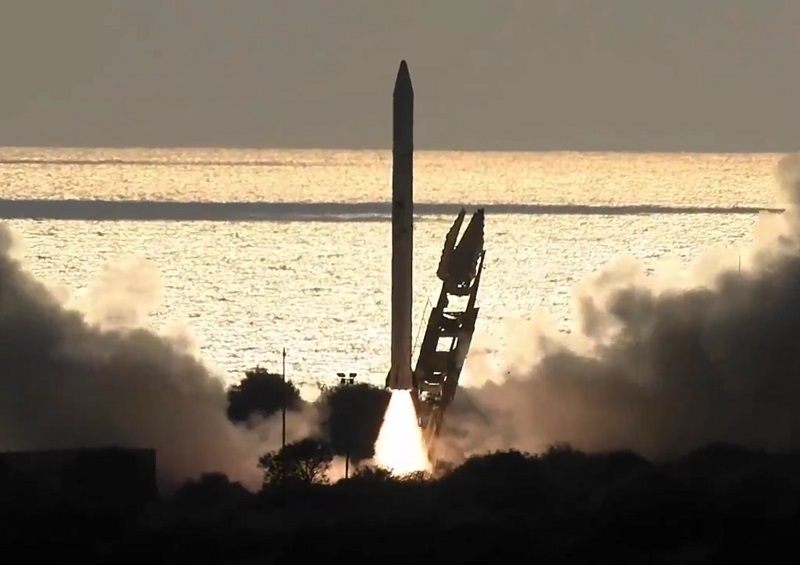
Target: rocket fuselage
x,y
400,373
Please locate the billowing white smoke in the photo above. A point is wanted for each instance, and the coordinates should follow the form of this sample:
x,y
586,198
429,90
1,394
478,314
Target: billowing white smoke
x,y
658,364
92,375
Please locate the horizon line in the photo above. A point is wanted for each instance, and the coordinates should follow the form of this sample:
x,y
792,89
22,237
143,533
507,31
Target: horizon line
x,y
388,149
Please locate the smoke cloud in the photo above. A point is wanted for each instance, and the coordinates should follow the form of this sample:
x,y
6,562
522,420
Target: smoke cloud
x,y
90,374
658,364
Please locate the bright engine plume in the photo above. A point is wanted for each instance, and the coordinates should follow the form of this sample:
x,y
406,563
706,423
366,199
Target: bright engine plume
x,y
400,447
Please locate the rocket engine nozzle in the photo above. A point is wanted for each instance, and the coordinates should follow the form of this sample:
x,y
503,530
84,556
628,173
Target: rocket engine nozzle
x,y
396,381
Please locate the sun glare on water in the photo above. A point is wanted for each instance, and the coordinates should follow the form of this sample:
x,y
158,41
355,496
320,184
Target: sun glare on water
x,y
400,447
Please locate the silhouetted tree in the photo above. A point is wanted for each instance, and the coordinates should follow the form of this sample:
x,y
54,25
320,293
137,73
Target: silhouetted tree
x,y
719,461
503,465
614,466
209,490
414,477
353,418
510,480
260,393
374,474
566,467
303,462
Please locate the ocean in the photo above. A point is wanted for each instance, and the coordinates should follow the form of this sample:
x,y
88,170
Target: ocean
x,y
250,252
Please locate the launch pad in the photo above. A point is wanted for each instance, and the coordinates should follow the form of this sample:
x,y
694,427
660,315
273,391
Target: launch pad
x,y
451,323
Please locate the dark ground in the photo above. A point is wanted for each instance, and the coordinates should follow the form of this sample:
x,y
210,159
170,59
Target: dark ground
x,y
721,504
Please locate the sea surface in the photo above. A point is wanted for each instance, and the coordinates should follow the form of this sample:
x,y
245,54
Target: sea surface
x,y
255,251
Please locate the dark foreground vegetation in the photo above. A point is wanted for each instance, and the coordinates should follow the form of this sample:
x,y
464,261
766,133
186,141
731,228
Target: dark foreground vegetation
x,y
720,504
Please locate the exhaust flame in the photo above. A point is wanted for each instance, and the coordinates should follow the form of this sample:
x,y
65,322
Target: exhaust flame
x,y
400,447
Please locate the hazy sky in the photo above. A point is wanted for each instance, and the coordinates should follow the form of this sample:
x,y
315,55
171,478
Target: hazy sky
x,y
489,74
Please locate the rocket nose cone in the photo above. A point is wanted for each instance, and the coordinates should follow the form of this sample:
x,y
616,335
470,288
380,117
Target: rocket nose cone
x,y
403,79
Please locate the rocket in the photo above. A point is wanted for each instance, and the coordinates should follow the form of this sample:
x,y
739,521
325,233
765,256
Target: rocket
x,y
400,373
